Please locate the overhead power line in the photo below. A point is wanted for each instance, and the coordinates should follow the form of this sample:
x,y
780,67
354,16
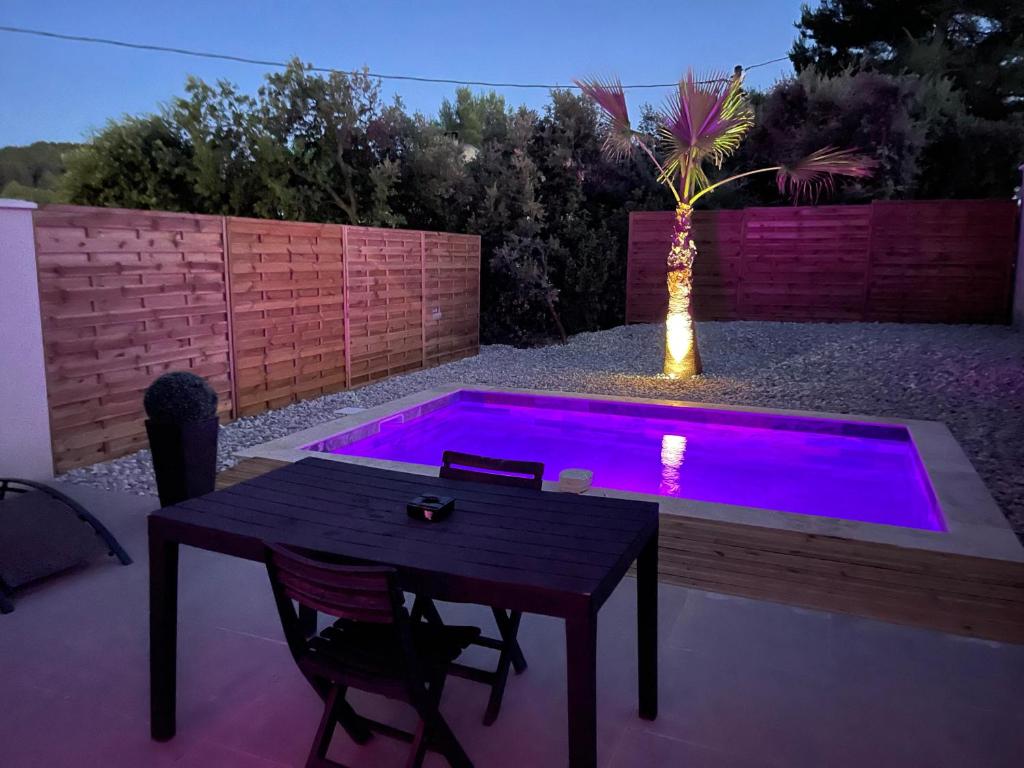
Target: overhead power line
x,y
270,63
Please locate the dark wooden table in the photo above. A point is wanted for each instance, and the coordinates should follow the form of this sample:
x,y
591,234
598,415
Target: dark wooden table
x,y
514,548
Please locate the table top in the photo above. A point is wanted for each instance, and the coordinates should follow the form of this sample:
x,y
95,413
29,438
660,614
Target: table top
x,y
517,547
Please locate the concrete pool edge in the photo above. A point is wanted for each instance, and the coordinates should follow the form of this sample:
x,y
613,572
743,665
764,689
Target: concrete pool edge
x,y
975,525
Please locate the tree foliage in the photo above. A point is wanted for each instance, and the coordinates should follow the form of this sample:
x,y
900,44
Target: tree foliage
x,y
978,44
306,147
551,210
32,172
475,118
916,128
139,162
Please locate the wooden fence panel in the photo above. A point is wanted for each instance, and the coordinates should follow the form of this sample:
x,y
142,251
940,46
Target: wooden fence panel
x,y
384,278
916,261
125,296
804,263
646,293
287,300
718,236
942,261
451,318
270,312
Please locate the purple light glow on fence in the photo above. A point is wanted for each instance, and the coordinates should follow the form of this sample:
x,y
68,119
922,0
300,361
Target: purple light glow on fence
x,y
835,469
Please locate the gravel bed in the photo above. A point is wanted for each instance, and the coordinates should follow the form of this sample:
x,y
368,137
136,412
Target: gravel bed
x,y
970,377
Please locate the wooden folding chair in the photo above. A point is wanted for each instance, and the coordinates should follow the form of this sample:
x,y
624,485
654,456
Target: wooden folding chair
x,y
373,646
524,474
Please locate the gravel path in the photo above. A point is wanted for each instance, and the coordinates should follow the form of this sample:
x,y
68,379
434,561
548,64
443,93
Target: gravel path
x,y
970,377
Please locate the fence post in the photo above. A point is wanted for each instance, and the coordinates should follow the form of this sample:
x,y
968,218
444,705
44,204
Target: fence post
x,y
869,263
26,448
229,301
423,297
347,323
1018,286
739,304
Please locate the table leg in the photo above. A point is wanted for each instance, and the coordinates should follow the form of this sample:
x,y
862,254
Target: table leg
x,y
647,628
581,663
163,634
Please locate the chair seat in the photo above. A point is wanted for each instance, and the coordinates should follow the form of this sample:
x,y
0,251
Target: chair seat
x,y
374,650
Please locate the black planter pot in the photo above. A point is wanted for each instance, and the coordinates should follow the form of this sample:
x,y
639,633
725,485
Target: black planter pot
x,y
184,458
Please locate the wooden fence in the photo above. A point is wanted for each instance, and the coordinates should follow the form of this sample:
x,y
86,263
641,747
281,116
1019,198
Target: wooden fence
x,y
269,311
947,261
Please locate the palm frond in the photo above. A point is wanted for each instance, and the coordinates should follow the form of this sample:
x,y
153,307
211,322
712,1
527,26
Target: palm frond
x,y
611,98
705,119
808,177
678,166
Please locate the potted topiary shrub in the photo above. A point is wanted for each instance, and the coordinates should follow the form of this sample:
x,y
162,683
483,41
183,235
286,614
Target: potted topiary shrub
x,y
182,428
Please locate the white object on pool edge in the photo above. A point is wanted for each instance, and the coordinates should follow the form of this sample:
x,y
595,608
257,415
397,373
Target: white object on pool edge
x,y
575,480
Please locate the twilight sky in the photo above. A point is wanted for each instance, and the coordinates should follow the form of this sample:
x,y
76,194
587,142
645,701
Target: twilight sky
x,y
60,91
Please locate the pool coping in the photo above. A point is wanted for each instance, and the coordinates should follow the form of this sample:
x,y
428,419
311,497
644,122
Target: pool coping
x,y
975,526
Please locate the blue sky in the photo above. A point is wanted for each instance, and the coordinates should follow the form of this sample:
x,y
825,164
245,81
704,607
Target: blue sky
x,y
60,91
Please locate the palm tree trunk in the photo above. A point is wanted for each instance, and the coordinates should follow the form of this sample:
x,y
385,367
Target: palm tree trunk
x,y
682,356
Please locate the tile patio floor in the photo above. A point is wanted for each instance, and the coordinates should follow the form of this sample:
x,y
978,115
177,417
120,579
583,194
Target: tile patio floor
x,y
744,684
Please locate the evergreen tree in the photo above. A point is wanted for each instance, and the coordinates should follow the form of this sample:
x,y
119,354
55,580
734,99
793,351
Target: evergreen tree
x,y
979,44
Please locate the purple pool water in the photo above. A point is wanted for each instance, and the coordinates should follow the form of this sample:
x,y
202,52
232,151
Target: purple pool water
x,y
845,470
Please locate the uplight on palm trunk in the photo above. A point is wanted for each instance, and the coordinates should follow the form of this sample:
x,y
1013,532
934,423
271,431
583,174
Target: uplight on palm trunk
x,y
704,121
682,356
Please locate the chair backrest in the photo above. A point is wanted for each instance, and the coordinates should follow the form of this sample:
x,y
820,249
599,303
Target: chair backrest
x,y
484,469
358,594
361,594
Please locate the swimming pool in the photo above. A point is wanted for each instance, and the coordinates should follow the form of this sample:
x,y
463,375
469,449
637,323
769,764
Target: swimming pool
x,y
875,516
849,470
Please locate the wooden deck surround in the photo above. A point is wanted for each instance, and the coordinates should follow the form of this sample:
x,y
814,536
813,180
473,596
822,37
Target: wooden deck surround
x,y
246,469
966,580
974,596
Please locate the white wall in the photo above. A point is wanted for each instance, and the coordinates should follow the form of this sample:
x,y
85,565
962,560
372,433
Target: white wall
x,y
25,449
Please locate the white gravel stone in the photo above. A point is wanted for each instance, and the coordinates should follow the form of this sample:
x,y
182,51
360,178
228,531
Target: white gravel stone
x,y
970,377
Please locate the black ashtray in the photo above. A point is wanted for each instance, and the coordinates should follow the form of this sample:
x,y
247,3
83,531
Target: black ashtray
x,y
430,508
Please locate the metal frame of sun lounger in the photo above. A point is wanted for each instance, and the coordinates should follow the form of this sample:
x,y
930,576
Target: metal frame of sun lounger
x,y
17,485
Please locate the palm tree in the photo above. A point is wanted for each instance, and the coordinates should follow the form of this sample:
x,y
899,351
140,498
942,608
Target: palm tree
x,y
703,122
